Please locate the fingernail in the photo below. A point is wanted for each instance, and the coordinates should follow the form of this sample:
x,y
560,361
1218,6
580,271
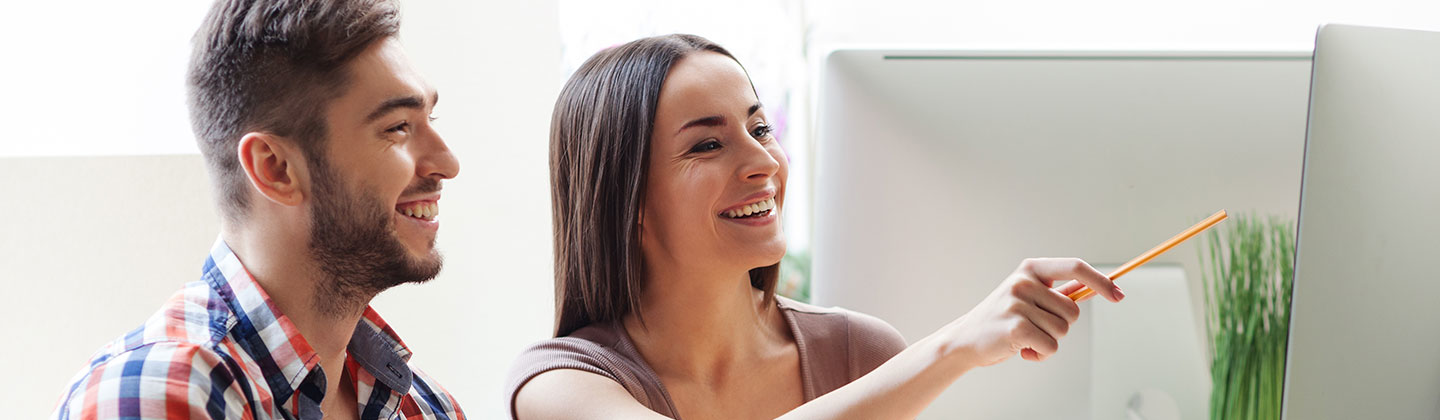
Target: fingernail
x,y
1118,293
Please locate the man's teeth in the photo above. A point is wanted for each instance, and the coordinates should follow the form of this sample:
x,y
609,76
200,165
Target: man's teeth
x,y
423,210
751,209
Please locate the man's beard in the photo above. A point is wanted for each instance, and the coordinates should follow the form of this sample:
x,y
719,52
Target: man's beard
x,y
353,240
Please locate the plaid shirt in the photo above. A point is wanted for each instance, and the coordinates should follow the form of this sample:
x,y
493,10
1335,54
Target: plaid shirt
x,y
220,349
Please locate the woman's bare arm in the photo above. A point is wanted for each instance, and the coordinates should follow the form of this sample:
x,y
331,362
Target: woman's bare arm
x,y
1027,314
576,394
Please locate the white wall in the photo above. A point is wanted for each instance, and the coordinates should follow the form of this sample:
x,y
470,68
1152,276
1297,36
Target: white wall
x,y
96,78
1103,24
93,242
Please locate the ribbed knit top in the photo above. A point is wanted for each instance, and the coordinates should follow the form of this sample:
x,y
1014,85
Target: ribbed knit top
x,y
836,347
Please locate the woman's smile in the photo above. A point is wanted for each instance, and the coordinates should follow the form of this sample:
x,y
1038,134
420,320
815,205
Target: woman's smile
x,y
754,213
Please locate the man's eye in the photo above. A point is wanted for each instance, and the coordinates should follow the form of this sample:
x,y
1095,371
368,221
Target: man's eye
x,y
706,146
399,128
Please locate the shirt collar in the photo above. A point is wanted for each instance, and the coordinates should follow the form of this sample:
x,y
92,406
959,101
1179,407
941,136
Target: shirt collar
x,y
380,351
284,357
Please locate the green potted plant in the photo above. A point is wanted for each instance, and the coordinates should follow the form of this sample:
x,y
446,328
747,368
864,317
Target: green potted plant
x,y
795,276
1248,268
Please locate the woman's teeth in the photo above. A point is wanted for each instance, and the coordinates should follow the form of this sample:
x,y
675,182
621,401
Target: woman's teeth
x,y
751,210
425,210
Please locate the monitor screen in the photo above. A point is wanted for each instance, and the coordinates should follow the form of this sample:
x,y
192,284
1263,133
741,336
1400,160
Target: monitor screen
x,y
1365,325
938,171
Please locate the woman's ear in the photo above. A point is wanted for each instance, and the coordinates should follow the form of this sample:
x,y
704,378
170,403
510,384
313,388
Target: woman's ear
x,y
274,167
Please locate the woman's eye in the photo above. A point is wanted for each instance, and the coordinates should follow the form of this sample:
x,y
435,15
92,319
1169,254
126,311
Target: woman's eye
x,y
705,146
761,131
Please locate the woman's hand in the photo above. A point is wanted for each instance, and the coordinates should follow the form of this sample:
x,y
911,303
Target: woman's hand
x,y
1027,313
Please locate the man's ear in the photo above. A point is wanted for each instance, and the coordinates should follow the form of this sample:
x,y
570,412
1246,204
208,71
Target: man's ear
x,y
274,166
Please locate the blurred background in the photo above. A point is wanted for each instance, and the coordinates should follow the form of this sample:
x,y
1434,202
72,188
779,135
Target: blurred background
x,y
106,209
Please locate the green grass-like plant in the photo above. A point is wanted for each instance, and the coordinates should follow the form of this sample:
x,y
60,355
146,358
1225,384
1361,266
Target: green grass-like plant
x,y
795,276
1248,265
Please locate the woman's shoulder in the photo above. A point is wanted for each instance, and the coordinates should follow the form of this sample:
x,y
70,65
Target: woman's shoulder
x,y
584,346
858,325
866,341
591,349
601,349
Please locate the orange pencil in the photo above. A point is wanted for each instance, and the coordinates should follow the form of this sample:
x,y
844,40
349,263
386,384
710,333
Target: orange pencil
x,y
1085,292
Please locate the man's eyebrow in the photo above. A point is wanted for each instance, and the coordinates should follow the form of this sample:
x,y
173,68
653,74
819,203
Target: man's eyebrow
x,y
715,120
413,102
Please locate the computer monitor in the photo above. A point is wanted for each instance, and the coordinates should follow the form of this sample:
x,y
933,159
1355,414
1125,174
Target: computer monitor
x,y
1365,326
937,171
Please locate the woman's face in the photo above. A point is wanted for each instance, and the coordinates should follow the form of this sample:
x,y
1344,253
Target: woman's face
x,y
717,174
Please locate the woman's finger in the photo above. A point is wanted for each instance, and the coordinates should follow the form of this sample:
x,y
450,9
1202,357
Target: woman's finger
x,y
1049,323
1069,287
1052,270
1056,303
1030,336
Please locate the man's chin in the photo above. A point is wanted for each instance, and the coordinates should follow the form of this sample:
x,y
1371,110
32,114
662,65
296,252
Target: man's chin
x,y
425,268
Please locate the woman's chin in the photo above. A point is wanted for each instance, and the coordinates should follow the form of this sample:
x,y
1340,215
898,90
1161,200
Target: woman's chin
x,y
766,255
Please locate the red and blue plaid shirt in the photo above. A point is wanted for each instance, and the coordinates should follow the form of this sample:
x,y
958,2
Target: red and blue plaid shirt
x,y
220,349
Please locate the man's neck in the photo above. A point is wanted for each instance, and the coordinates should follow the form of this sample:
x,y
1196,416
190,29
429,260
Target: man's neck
x,y
291,278
704,325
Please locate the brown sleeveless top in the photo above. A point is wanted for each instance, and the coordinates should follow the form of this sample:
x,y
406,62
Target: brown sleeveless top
x,y
836,347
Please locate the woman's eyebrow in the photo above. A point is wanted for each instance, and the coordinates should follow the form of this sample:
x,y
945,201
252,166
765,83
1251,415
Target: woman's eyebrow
x,y
710,121
715,120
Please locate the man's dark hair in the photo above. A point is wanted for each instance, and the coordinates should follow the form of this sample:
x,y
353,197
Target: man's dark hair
x,y
272,66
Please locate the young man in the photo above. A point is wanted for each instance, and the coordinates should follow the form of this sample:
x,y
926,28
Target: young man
x,y
328,174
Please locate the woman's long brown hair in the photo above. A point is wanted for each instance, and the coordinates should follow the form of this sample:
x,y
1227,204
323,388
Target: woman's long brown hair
x,y
599,154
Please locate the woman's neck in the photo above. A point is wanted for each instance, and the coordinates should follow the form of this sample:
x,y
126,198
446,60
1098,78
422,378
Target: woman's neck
x,y
705,325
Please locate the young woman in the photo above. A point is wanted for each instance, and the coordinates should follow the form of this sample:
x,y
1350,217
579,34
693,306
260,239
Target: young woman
x,y
667,186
